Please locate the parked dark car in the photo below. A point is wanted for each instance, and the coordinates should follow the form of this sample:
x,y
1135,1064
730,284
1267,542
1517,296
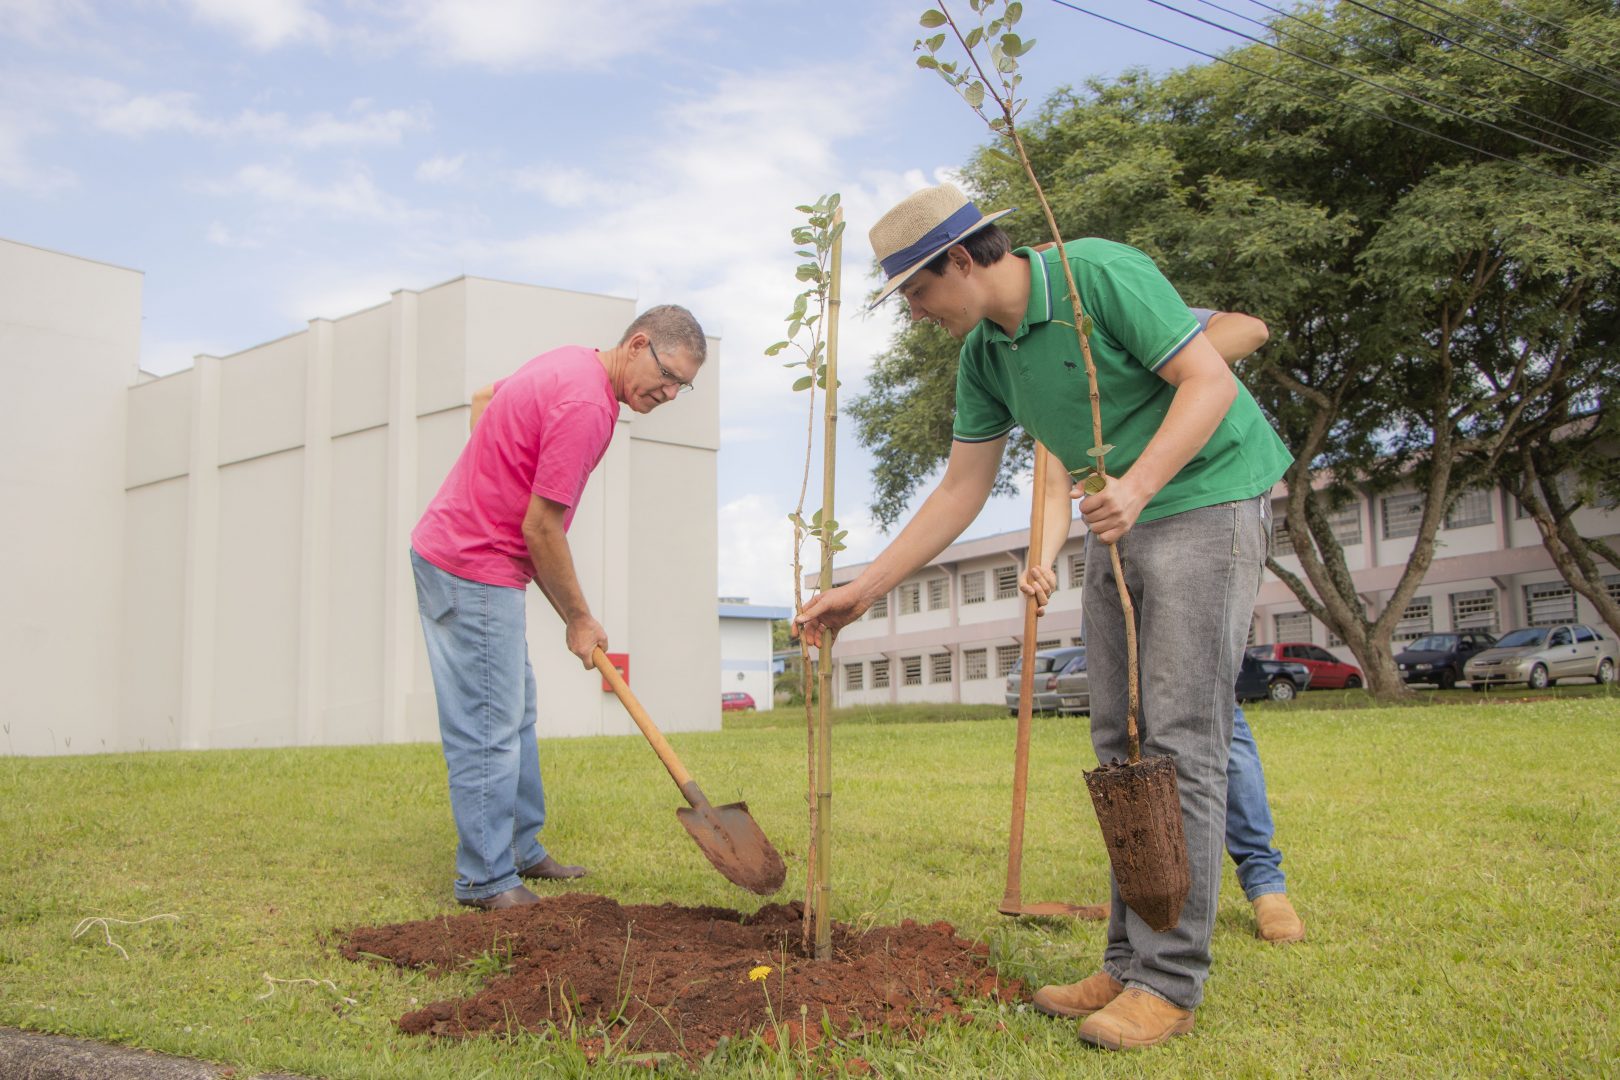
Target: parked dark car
x,y
1328,672
1439,658
1279,680
1048,662
1074,686
733,701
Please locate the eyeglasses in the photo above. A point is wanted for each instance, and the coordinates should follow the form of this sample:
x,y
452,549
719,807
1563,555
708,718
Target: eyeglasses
x,y
669,377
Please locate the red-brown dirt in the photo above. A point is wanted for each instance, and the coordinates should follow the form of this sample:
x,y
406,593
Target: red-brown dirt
x,y
668,979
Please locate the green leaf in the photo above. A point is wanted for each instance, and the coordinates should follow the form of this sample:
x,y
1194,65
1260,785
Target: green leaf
x,y
932,18
974,94
832,201
1099,451
935,42
797,519
1015,10
816,519
805,209
1001,155
1085,326
975,36
793,328
838,229
1011,45
927,62
808,272
803,383
778,347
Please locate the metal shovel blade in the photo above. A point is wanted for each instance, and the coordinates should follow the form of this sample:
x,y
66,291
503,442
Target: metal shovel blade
x,y
736,846
1057,909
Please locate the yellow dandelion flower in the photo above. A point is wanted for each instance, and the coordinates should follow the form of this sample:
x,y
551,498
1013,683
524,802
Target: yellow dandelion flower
x,y
759,973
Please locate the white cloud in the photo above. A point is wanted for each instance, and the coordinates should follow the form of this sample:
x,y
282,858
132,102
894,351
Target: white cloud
x,y
506,34
351,196
113,109
264,24
564,187
18,170
756,544
440,169
40,21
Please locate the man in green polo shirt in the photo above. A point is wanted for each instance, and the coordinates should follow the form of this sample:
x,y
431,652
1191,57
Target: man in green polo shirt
x,y
1192,464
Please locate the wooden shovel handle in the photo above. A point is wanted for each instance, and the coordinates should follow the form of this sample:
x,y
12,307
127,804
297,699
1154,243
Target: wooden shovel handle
x,y
660,745
1013,895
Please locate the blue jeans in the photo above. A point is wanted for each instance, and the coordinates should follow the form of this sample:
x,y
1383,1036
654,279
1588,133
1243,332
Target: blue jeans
x,y
479,655
1193,578
1248,816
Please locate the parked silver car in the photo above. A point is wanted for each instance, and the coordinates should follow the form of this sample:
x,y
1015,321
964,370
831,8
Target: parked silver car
x,y
1074,686
1539,656
1048,662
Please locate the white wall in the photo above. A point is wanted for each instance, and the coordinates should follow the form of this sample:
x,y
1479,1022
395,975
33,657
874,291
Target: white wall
x,y
69,345
745,659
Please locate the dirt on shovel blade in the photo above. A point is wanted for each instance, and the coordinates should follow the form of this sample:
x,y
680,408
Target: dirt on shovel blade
x,y
629,981
1139,809
735,845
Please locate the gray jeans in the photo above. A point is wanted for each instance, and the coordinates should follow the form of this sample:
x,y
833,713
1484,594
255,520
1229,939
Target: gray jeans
x,y
1193,578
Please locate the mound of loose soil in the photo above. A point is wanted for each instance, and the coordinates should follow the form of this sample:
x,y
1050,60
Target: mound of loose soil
x,y
668,979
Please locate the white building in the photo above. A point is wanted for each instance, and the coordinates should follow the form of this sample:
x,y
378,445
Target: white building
x,y
952,631
745,648
219,557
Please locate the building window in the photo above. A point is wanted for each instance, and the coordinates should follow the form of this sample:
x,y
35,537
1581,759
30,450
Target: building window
x,y
880,608
1049,643
1470,508
973,587
1550,603
1077,570
880,674
910,598
939,594
1474,610
1611,583
1281,542
1254,626
1006,582
853,674
1346,523
1293,626
1006,657
975,664
1402,514
1077,640
911,670
1416,621
939,667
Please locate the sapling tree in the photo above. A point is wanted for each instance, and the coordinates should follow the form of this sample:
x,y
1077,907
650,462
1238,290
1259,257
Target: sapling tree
x,y
812,330
998,86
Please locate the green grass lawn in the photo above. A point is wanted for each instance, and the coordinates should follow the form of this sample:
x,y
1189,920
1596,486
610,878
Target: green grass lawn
x,y
1457,865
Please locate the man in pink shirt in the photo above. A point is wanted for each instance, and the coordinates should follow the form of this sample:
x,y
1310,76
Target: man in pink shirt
x,y
499,521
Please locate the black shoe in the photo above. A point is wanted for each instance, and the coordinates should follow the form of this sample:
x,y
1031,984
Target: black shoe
x,y
516,896
549,869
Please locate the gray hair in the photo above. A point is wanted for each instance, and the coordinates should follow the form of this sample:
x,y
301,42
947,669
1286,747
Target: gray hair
x,y
670,324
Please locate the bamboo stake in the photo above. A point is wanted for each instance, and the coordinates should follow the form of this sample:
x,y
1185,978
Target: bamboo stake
x,y
824,680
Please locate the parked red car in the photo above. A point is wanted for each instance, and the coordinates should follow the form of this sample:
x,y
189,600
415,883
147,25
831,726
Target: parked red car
x,y
731,702
1328,672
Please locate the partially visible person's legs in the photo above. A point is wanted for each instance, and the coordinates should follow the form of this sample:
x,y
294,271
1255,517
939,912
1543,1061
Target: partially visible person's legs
x,y
1248,816
476,650
530,816
1248,839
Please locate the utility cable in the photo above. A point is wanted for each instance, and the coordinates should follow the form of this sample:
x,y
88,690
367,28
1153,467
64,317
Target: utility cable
x,y
1514,41
1417,98
1334,101
1483,55
1595,143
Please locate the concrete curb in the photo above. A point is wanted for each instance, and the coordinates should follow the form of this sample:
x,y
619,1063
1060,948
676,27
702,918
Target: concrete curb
x,y
27,1055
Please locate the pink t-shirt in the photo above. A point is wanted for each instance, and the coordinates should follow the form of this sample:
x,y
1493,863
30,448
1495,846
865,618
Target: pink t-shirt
x,y
542,433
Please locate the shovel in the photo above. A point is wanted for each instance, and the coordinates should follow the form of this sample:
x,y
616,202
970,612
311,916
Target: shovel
x,y
1012,901
726,834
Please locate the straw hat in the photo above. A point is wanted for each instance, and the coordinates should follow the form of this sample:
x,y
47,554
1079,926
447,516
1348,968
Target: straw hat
x,y
924,224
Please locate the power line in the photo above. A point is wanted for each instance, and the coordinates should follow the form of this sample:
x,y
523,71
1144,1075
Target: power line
x,y
1482,55
1332,100
1514,41
1570,134
1419,99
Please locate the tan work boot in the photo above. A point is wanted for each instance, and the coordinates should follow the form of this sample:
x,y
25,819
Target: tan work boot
x,y
1275,919
1133,1020
1079,999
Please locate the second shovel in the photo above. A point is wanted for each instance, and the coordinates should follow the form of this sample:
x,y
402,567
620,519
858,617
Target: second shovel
x,y
727,834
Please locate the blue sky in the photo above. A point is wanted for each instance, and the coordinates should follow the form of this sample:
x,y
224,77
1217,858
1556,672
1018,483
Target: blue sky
x,y
264,162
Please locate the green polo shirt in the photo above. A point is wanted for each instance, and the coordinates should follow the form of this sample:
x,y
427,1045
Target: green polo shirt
x,y
1036,378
